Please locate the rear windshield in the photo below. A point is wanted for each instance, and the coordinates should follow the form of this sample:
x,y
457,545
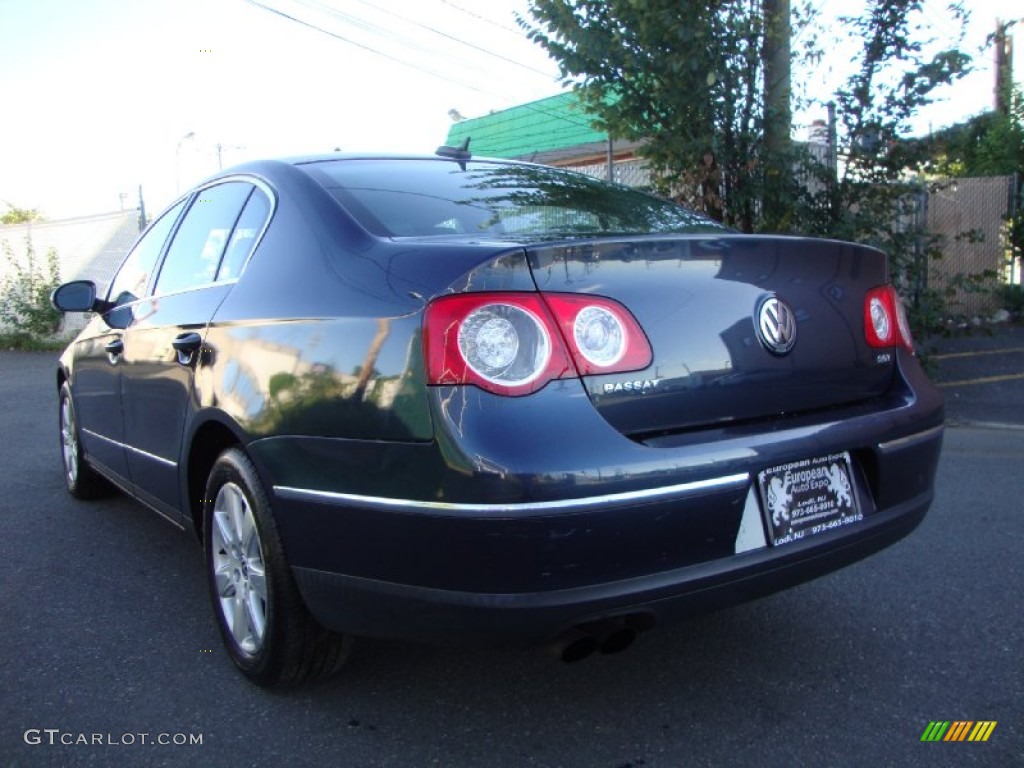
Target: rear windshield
x,y
416,198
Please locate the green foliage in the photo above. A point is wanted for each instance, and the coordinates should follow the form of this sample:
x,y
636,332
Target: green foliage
x,y
687,76
682,76
15,215
1015,228
897,74
26,315
25,343
1011,298
990,144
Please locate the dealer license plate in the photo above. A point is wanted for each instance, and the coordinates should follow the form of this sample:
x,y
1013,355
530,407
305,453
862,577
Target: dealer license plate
x,y
804,498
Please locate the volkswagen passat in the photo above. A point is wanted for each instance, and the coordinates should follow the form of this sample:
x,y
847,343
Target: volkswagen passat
x,y
461,400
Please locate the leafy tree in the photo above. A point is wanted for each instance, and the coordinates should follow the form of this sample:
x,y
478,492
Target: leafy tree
x,y
990,144
16,215
684,77
687,77
875,196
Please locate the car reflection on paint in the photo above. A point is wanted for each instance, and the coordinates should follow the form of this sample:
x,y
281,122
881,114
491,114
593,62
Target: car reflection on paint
x,y
460,400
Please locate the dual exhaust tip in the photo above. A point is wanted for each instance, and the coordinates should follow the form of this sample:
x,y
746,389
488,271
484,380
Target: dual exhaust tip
x,y
606,636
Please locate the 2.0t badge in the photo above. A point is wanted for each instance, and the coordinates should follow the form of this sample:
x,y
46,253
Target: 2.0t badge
x,y
776,325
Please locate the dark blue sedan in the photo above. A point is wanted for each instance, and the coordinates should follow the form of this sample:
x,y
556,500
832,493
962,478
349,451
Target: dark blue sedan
x,y
460,400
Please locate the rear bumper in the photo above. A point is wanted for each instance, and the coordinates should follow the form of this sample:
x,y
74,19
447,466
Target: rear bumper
x,y
528,516
385,609
519,574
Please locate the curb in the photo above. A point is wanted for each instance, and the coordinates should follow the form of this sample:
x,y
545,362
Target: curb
x,y
995,425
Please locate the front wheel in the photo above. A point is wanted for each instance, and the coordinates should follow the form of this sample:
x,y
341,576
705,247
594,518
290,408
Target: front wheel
x,y
81,480
263,622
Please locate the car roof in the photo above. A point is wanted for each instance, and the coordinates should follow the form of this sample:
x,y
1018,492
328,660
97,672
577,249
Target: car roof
x,y
298,160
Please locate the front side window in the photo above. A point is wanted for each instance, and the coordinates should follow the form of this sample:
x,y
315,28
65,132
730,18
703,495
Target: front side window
x,y
195,251
132,278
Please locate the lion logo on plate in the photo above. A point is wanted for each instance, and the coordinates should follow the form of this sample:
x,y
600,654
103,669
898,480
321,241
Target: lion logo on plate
x,y
776,325
779,499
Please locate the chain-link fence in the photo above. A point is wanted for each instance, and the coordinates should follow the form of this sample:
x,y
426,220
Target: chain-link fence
x,y
632,172
970,217
965,219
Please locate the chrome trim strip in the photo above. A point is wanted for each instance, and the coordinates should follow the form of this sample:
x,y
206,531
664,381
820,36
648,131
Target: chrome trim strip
x,y
139,451
906,442
104,438
160,459
558,505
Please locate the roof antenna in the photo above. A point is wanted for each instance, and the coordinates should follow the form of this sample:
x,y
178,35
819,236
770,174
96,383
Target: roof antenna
x,y
460,154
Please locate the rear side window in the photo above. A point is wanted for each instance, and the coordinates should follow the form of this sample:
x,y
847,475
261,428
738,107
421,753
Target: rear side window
x,y
243,239
195,252
417,197
132,278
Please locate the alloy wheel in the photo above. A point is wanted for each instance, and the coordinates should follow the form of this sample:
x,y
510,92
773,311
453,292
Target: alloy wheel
x,y
239,569
69,440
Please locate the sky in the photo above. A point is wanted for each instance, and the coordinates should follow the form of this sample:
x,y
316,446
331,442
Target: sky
x,y
99,97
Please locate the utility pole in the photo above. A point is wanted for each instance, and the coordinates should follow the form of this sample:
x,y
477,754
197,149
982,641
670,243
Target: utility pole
x,y
142,211
833,148
1004,67
778,118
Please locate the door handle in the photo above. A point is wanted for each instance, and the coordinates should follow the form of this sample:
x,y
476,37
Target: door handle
x,y
187,342
114,349
186,345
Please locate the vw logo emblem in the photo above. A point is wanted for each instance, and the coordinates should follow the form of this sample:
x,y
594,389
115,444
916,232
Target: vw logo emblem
x,y
776,325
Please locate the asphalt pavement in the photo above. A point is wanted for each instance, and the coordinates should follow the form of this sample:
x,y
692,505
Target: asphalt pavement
x,y
981,373
108,646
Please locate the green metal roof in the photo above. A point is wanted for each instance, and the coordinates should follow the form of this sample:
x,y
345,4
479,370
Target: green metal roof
x,y
548,125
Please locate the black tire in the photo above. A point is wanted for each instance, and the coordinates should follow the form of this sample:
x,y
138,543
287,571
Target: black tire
x,y
81,480
263,622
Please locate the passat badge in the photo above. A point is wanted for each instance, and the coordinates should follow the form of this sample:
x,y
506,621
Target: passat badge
x,y
776,325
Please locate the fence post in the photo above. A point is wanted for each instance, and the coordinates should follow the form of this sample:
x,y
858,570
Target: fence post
x,y
1016,222
921,265
611,161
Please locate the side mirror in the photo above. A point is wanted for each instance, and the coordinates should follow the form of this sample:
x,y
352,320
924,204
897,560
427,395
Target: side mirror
x,y
76,296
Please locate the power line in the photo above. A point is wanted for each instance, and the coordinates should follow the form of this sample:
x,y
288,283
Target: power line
x,y
386,34
941,22
493,23
456,39
417,66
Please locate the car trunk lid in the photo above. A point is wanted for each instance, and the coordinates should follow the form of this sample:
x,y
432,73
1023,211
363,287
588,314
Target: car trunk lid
x,y
715,311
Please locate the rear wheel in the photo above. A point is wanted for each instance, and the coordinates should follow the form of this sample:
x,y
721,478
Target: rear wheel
x,y
81,480
263,622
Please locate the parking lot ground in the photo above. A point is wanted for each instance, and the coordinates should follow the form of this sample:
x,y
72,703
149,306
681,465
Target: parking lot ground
x,y
981,373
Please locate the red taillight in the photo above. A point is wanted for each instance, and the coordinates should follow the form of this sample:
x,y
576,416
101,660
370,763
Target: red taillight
x,y
602,335
506,343
515,343
885,319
